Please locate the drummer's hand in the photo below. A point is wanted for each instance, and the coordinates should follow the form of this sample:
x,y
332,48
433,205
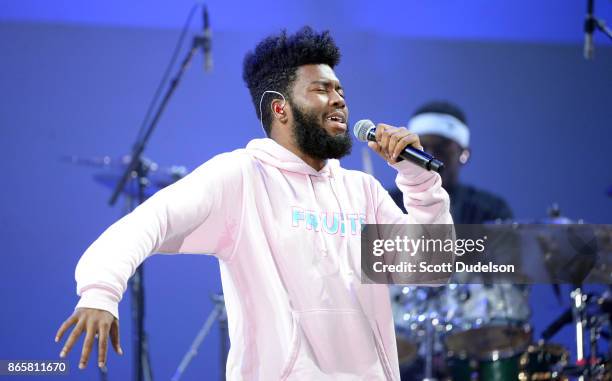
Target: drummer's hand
x,y
391,141
94,323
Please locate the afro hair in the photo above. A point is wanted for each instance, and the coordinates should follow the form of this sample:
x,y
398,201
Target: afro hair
x,y
275,60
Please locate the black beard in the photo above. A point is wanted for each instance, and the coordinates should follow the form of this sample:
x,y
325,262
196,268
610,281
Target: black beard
x,y
313,140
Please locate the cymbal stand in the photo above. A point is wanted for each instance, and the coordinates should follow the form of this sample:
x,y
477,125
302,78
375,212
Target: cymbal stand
x,y
430,322
218,314
578,310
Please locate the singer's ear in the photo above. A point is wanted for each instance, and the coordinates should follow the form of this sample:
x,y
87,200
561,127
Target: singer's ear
x,y
278,110
465,156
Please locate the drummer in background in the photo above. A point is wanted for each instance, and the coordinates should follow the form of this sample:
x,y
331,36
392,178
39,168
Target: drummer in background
x,y
442,128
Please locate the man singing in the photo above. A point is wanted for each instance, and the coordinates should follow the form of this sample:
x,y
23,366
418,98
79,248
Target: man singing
x,y
284,219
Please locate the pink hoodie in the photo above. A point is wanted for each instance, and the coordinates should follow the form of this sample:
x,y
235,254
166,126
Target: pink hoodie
x,y
288,242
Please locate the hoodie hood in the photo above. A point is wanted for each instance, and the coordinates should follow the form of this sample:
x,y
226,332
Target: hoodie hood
x,y
271,152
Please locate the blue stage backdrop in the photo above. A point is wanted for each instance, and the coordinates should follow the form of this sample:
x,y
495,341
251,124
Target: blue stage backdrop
x,y
539,114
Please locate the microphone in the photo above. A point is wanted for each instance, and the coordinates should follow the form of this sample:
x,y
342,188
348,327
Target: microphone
x,y
365,130
589,28
207,43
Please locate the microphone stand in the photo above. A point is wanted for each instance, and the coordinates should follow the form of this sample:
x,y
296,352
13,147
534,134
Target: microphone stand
x,y
601,25
592,23
137,169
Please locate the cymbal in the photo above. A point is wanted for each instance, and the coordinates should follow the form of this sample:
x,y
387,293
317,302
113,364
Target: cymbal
x,y
111,170
558,220
551,251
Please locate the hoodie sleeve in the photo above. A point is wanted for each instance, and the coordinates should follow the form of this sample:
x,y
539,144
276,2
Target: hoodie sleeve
x,y
426,203
424,198
198,214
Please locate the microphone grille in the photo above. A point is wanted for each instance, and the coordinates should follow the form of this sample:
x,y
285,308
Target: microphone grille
x,y
361,128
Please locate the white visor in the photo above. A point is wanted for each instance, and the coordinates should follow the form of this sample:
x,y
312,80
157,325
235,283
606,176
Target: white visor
x,y
441,124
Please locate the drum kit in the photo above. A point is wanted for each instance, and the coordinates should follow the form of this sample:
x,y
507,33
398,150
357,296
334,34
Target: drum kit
x,y
461,332
482,332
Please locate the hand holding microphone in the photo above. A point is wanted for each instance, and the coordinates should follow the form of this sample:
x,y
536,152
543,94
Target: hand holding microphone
x,y
395,144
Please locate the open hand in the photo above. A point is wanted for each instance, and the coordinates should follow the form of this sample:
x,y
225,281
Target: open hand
x,y
96,324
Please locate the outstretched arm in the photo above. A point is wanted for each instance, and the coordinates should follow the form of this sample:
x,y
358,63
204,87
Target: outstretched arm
x,y
171,221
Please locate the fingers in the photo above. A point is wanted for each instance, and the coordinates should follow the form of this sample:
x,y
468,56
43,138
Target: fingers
x,y
380,130
114,335
409,140
382,138
102,344
376,147
97,324
74,336
391,141
395,142
64,327
87,345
